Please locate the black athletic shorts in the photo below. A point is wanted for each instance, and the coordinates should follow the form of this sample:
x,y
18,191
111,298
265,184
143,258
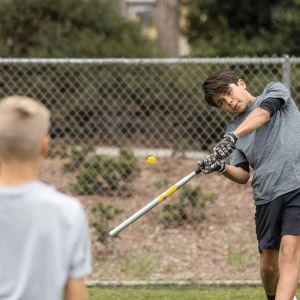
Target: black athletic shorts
x,y
277,218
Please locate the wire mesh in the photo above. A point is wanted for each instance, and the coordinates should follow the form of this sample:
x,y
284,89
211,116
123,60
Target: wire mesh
x,y
132,104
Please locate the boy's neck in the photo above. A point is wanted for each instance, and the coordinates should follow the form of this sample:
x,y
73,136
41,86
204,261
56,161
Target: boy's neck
x,y
18,173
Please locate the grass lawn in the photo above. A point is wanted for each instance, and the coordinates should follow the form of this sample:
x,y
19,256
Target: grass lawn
x,y
176,293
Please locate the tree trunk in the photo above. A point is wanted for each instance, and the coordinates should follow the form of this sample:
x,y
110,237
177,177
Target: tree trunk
x,y
167,23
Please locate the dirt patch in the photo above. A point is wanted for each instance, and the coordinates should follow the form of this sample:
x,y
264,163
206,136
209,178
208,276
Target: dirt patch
x,y
222,246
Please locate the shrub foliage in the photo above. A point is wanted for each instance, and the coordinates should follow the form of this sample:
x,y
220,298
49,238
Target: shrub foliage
x,y
189,208
98,174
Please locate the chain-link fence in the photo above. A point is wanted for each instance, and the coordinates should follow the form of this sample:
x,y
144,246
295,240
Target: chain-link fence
x,y
131,104
143,103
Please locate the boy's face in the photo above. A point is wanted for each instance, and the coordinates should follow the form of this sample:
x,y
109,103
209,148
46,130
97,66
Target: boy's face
x,y
235,100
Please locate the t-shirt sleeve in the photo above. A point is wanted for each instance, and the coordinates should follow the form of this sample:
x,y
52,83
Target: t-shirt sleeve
x,y
276,90
80,260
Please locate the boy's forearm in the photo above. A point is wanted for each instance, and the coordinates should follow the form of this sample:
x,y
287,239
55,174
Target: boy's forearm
x,y
236,174
75,290
255,120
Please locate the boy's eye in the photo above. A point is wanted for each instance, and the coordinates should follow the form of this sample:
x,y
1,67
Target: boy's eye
x,y
229,91
221,102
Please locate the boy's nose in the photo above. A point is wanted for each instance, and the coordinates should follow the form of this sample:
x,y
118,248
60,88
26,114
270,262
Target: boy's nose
x,y
229,100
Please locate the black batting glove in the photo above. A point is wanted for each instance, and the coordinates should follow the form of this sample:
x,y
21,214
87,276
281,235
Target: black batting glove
x,y
224,148
210,164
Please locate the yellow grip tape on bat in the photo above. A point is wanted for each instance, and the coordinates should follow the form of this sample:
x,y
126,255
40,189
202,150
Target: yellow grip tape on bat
x,y
166,194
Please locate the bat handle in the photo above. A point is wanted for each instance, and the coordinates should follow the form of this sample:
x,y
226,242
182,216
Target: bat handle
x,y
199,169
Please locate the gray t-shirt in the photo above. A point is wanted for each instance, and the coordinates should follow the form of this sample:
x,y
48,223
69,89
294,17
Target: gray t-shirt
x,y
44,240
273,149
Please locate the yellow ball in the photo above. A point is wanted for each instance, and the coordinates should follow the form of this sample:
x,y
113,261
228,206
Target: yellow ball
x,y
151,160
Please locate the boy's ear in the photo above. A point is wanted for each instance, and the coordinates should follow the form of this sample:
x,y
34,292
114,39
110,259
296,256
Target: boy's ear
x,y
44,146
242,84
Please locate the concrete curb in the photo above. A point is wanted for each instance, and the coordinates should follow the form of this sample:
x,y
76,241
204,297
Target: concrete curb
x,y
204,283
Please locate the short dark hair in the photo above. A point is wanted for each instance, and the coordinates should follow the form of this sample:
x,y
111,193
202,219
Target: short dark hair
x,y
217,83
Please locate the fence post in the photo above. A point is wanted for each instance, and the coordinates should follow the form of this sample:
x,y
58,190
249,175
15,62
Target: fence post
x,y
286,71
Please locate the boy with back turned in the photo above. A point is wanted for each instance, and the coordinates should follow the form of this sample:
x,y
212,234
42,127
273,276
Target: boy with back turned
x,y
264,135
44,239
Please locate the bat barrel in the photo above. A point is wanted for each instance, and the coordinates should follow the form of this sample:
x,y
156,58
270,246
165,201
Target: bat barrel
x,y
134,217
152,204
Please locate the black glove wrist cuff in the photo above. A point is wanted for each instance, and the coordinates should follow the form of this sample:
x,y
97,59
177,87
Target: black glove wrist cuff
x,y
223,168
232,136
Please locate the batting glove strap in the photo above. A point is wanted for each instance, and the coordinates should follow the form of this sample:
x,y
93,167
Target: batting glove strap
x,y
231,137
224,148
211,164
222,168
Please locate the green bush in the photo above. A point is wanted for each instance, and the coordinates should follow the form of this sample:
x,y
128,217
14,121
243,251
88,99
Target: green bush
x,y
88,182
128,166
98,174
162,184
189,209
57,150
76,157
101,215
